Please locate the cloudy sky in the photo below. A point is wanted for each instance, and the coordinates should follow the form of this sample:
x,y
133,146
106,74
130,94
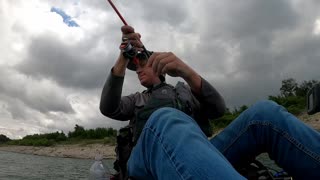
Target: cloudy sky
x,y
55,54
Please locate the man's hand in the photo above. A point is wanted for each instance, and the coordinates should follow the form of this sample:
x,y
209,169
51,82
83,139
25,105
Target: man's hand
x,y
168,63
128,34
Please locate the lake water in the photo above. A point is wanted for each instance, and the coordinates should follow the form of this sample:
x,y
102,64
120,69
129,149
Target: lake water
x,y
17,166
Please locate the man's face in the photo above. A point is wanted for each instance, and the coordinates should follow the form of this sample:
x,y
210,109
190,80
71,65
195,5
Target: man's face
x,y
146,75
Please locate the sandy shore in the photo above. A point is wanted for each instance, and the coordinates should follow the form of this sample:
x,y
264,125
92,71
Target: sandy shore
x,y
311,120
68,151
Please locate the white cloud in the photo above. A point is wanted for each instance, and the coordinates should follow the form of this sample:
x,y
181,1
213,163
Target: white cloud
x,y
316,29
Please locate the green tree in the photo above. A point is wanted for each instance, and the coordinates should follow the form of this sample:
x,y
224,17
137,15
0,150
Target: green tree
x,y
4,139
78,132
304,87
288,87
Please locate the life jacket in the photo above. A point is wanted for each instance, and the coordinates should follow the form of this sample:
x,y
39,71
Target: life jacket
x,y
165,95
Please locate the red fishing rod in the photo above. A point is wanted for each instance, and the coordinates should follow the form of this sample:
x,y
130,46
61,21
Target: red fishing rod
x,y
125,23
116,10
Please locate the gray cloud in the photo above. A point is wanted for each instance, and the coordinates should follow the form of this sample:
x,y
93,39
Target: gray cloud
x,y
36,95
240,48
98,5
70,66
248,18
162,12
168,12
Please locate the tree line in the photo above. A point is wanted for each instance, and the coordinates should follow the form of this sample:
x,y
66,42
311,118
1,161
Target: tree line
x,y
292,96
48,139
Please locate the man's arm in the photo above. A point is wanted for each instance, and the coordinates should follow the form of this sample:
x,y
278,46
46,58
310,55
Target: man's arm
x,y
111,103
212,103
119,69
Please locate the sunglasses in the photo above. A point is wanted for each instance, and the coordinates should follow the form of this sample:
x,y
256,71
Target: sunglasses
x,y
141,59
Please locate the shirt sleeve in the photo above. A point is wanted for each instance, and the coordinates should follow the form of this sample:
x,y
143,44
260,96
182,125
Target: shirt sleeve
x,y
211,102
112,104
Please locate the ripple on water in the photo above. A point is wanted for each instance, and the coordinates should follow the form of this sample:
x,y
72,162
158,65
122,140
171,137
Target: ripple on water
x,y
23,166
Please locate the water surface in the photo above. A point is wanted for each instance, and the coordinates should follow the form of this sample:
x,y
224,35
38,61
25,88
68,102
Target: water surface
x,y
23,166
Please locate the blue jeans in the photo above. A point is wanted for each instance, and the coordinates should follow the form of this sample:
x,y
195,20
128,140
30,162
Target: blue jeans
x,y
172,146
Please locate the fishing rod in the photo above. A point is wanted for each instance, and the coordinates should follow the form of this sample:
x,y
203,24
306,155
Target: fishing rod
x,y
116,10
125,23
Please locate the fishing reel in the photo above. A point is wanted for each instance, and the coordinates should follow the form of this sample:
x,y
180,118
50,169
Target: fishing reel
x,y
129,52
134,56
127,49
313,99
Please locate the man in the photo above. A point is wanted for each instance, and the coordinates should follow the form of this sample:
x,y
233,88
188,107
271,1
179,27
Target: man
x,y
199,99
171,143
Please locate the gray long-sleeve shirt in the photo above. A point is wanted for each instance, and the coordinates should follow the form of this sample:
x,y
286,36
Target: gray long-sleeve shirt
x,y
209,103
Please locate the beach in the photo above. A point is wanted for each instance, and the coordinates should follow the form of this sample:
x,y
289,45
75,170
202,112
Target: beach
x,y
66,151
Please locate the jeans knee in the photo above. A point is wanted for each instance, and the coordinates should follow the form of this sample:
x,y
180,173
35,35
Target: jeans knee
x,y
160,116
165,118
266,106
265,110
